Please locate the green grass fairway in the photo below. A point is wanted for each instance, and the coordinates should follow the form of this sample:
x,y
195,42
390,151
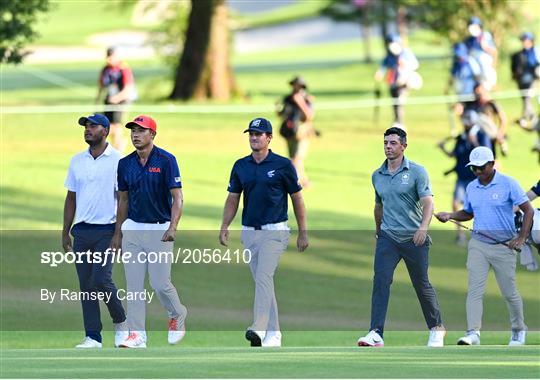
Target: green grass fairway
x,y
295,362
323,294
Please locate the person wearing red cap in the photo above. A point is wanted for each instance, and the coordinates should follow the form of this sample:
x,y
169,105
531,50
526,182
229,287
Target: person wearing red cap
x,y
150,204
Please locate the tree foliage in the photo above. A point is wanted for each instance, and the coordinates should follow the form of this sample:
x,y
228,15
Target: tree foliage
x,y
449,18
17,20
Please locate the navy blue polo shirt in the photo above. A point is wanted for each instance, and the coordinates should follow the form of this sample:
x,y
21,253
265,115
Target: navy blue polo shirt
x,y
265,186
149,186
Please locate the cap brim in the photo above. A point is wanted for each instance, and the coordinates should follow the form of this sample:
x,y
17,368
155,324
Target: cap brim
x,y
256,130
83,120
132,124
477,163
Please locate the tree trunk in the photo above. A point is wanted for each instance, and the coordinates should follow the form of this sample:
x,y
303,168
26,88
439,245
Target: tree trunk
x,y
204,70
365,31
383,20
401,20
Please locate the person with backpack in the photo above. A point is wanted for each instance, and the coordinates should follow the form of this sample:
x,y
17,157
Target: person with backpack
x,y
398,69
525,65
296,115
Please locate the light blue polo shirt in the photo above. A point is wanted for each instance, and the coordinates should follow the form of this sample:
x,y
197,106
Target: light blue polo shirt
x,y
492,206
400,193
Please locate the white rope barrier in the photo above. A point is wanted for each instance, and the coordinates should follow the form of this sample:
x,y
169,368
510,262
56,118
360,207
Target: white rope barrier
x,y
336,105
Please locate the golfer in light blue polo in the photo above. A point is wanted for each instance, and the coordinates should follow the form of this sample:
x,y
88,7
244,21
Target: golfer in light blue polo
x,y
403,209
490,199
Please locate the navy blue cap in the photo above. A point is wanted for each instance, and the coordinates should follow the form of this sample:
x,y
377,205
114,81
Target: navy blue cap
x,y
392,37
96,118
474,20
259,125
527,36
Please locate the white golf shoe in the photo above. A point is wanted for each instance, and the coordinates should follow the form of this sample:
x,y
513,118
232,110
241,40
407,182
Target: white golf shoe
x,y
436,337
176,332
272,339
121,333
89,343
135,339
372,339
517,338
471,339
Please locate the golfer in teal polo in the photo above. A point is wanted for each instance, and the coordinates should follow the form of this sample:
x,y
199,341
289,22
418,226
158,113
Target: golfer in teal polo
x,y
403,209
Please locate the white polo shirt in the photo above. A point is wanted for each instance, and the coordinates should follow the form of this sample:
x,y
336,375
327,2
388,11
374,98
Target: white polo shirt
x,y
94,183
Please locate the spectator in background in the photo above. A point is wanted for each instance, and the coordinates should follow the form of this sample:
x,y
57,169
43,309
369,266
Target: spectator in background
x,y
465,71
296,127
471,137
491,118
116,80
482,48
525,70
399,71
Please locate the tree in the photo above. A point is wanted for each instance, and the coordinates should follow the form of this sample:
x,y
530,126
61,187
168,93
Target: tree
x,y
204,69
16,27
449,18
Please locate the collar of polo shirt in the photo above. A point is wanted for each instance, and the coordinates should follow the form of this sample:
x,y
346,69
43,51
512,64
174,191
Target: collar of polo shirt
x,y
494,180
106,152
268,158
404,165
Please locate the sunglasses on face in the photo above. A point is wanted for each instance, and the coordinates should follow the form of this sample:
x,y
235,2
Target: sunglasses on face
x,y
478,168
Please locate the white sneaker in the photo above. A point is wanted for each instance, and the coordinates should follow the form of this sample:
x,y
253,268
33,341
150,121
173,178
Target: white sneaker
x,y
135,339
436,337
176,332
272,339
121,333
372,339
517,338
89,343
471,339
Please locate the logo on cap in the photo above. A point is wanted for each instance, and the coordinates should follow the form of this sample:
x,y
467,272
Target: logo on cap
x,y
256,122
139,119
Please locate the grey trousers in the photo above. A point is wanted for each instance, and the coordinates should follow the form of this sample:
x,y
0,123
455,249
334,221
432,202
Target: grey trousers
x,y
266,248
481,257
143,241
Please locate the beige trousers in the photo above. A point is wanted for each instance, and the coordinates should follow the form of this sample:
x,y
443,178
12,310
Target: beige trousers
x,y
481,258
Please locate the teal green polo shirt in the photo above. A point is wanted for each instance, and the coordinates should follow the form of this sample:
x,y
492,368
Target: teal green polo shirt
x,y
400,193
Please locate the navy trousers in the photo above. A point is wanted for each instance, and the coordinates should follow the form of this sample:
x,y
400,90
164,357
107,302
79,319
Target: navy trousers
x,y
388,254
96,277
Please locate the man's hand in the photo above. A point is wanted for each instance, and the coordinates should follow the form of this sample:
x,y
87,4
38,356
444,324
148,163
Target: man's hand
x,y
419,237
66,243
443,216
169,235
516,243
302,242
224,236
116,242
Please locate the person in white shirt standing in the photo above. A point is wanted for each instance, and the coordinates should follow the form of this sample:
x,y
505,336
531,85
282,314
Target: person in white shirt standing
x,y
90,216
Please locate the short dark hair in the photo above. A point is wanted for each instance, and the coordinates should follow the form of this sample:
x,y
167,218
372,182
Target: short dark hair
x,y
397,131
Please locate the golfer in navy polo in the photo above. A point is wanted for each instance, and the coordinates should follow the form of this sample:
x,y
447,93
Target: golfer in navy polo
x,y
90,206
266,179
403,210
149,207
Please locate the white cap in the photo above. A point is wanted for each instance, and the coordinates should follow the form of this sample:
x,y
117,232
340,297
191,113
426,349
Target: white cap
x,y
480,156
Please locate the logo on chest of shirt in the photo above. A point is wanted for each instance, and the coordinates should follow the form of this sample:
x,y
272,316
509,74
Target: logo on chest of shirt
x,y
271,173
152,169
405,179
